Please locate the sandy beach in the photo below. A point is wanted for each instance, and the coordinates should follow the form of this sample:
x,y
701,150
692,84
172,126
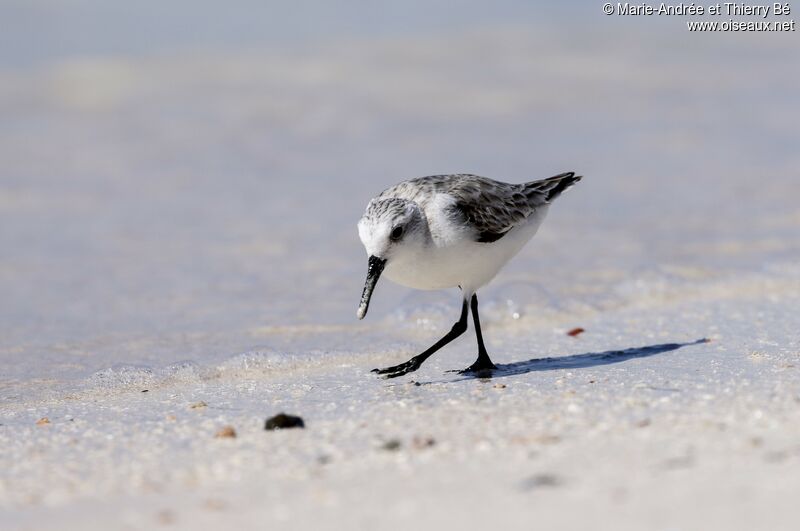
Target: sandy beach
x,y
664,436
180,263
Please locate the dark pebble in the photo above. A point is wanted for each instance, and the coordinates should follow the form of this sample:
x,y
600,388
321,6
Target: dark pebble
x,y
392,445
541,481
282,421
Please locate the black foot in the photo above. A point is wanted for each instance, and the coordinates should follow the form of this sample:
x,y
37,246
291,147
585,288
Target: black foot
x,y
482,368
399,370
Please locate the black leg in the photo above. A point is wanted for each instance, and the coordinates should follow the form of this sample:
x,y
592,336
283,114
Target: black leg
x,y
414,363
483,364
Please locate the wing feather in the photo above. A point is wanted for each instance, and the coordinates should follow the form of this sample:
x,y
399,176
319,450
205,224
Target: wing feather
x,y
490,207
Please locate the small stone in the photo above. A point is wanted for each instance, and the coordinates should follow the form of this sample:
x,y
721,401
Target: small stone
x,y
547,439
165,517
214,504
226,432
575,332
392,445
198,405
775,457
43,421
282,421
675,463
420,443
541,481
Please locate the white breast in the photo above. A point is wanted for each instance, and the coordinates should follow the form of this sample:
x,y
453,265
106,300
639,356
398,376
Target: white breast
x,y
454,258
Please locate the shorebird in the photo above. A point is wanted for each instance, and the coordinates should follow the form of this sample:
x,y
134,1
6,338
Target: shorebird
x,y
447,231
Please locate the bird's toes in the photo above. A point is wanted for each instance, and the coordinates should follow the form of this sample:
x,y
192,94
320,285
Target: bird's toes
x,y
390,370
397,370
481,371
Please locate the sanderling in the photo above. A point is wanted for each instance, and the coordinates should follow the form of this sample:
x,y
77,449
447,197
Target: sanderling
x,y
448,231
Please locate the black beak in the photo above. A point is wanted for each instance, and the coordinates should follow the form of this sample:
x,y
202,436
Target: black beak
x,y
374,270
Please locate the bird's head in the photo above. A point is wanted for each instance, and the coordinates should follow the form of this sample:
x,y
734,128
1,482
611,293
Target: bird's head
x,y
389,229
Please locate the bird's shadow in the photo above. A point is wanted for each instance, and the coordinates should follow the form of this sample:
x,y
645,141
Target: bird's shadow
x,y
579,361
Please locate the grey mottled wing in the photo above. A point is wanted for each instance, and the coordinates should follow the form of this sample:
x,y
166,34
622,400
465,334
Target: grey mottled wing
x,y
491,210
495,209
491,207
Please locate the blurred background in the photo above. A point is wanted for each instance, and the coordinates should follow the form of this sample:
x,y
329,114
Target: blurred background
x,y
181,180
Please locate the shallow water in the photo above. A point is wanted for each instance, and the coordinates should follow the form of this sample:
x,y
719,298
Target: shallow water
x,y
185,201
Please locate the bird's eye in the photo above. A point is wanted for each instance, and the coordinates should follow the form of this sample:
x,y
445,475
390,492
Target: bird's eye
x,y
397,233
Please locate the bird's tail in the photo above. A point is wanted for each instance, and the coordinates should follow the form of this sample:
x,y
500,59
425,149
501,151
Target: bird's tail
x,y
552,187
